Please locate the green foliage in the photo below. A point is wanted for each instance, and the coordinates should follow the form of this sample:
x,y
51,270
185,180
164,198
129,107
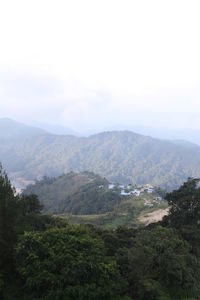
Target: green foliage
x,y
125,213
184,204
68,263
1,286
75,193
159,265
191,234
8,220
30,205
90,200
16,215
52,260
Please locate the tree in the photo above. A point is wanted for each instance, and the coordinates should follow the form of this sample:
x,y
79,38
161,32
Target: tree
x,y
30,205
184,204
67,263
8,219
159,266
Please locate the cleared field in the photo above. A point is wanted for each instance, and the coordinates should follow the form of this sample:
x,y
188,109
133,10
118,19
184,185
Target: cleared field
x,y
132,212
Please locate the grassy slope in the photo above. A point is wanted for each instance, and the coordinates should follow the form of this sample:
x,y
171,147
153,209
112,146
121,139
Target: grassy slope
x,y
129,213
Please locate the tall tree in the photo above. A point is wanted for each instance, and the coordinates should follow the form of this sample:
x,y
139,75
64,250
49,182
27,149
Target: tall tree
x,y
8,218
184,204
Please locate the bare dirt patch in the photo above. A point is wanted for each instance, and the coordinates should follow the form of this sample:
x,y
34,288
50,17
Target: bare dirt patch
x,y
153,217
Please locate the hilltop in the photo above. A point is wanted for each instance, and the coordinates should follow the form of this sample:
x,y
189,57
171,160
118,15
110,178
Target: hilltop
x,y
76,193
88,198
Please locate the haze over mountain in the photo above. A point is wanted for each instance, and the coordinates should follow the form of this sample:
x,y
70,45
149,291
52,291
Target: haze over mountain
x,y
13,129
10,128
119,156
164,133
187,134
55,128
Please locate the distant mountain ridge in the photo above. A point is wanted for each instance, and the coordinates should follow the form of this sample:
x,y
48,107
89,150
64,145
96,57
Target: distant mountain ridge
x,y
13,129
58,129
118,156
163,133
184,143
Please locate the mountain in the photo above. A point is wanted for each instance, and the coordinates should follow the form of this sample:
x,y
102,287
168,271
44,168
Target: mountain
x,y
57,129
12,129
119,156
76,193
186,134
185,143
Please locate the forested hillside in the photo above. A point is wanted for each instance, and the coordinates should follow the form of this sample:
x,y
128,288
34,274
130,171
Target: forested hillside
x,y
75,193
87,198
119,156
43,257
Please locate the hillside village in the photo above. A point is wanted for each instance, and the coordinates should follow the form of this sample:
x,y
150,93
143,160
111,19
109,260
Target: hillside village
x,y
132,190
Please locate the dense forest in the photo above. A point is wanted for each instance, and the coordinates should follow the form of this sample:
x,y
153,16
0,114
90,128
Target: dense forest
x,y
119,156
43,257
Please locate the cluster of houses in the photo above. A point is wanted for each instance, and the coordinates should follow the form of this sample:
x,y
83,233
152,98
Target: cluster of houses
x,y
128,190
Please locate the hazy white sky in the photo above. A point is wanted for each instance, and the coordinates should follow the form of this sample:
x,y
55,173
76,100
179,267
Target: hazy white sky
x,y
100,63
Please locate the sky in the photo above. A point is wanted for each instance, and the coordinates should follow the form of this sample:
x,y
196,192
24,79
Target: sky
x,y
100,64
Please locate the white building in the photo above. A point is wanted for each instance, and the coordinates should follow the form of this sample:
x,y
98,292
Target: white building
x,y
100,186
122,186
123,193
136,193
111,186
150,190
